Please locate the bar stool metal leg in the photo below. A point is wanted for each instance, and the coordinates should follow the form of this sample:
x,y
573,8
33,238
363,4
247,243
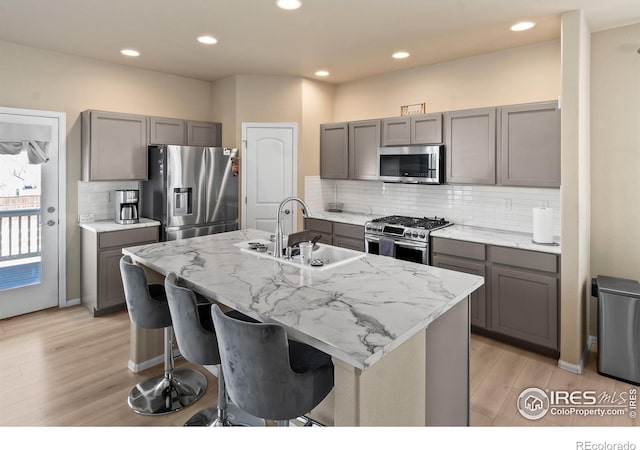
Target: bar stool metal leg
x,y
170,392
224,414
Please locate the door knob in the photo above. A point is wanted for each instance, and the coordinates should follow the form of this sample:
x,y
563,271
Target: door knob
x,y
51,222
287,211
51,209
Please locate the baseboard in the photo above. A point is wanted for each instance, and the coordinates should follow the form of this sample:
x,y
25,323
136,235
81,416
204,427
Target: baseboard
x,y
144,365
578,368
213,369
71,302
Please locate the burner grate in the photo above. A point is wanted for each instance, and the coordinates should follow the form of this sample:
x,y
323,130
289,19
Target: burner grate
x,y
413,222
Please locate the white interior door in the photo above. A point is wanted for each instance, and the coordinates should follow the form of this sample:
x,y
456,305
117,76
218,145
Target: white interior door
x,y
269,167
29,222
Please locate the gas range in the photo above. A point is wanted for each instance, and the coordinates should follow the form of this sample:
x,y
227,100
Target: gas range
x,y
415,229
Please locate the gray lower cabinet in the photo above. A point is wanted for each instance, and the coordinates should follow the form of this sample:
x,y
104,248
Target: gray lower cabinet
x,y
478,298
470,144
340,234
529,145
524,305
334,151
114,146
348,236
412,130
322,227
364,141
519,301
101,284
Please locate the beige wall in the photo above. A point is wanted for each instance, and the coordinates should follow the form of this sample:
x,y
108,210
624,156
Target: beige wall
x,y
38,79
575,190
275,99
521,75
615,154
223,108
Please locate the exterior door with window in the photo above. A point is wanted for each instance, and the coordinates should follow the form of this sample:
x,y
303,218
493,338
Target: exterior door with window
x,y
29,216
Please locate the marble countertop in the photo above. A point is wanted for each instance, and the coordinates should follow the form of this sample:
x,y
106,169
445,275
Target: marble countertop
x,y
356,312
344,217
495,237
101,226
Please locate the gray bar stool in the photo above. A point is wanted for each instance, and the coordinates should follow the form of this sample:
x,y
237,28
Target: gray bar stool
x,y
267,375
148,308
198,343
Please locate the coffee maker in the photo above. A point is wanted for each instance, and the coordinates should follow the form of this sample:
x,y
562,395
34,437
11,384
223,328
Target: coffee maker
x,y
126,203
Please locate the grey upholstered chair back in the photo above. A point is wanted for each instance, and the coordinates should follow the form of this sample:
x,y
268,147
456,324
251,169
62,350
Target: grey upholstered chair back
x,y
196,343
258,375
144,310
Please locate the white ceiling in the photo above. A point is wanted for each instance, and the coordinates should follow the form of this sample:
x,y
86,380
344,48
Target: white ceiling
x,y
350,38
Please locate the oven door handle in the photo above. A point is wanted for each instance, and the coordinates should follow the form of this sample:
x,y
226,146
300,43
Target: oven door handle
x,y
399,243
422,246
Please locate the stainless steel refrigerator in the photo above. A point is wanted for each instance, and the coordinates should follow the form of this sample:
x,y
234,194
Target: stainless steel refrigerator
x,y
193,191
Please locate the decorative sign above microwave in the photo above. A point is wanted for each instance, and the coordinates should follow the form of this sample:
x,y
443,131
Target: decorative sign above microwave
x,y
410,110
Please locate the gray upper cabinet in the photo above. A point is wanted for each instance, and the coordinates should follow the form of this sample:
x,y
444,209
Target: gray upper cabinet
x,y
396,131
530,145
470,142
114,146
334,151
204,134
166,131
364,140
412,130
426,129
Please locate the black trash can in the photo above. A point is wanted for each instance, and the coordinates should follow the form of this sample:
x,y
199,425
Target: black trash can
x,y
618,328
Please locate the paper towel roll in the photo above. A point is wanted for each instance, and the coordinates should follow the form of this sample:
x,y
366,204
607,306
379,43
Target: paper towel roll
x,y
543,225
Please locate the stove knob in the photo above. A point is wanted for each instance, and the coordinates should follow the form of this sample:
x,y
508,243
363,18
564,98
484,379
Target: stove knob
x,y
422,235
407,233
414,234
368,227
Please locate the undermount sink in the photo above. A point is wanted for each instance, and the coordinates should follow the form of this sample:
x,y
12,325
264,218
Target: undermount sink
x,y
330,256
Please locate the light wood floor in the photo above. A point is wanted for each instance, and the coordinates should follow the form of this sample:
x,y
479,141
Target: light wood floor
x,y
62,367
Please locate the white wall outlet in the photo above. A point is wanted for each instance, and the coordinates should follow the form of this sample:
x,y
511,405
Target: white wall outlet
x,y
99,197
87,217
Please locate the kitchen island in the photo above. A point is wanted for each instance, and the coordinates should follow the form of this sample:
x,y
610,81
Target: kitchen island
x,y
398,332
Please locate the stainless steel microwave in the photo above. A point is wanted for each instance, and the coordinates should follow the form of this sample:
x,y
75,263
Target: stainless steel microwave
x,y
424,164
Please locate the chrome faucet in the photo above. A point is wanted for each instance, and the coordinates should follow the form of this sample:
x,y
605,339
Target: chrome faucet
x,y
306,212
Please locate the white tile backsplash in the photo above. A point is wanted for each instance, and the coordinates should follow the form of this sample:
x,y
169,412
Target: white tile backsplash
x,y
97,197
499,207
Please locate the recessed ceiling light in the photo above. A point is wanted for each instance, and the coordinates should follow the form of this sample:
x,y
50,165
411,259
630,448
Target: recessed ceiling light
x,y
322,73
400,55
289,4
130,52
522,26
209,40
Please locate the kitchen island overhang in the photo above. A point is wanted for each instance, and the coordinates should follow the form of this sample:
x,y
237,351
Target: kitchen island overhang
x,y
378,318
